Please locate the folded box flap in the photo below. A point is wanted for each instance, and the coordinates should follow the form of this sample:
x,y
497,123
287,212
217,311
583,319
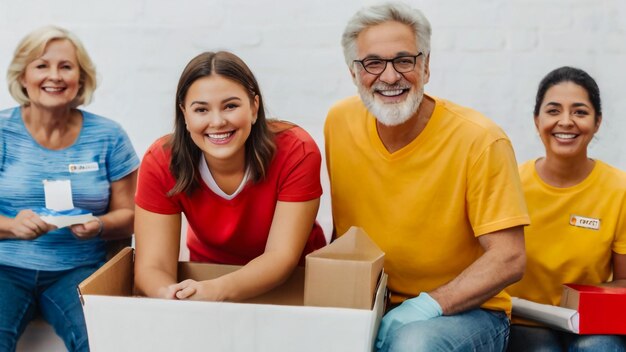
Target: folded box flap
x,y
344,273
570,297
115,278
355,244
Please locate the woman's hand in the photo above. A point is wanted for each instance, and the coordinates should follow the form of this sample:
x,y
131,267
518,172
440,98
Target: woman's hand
x,y
167,292
87,230
209,290
28,226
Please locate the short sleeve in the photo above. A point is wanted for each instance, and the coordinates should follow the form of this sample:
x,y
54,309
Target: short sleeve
x,y
154,182
300,180
495,200
122,158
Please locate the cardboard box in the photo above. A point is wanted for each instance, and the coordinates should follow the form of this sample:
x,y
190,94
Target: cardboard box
x,y
276,321
344,274
601,309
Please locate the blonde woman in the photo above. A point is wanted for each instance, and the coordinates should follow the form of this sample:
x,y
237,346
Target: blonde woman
x,y
47,137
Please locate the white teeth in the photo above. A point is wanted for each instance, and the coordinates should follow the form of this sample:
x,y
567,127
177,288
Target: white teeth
x,y
220,135
565,135
391,93
52,89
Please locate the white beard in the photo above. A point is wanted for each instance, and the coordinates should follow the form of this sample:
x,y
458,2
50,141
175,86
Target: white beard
x,y
390,114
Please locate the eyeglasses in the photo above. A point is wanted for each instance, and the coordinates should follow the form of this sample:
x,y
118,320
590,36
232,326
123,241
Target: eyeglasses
x,y
401,64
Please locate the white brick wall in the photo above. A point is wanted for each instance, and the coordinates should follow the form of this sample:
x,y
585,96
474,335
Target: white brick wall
x,y
487,54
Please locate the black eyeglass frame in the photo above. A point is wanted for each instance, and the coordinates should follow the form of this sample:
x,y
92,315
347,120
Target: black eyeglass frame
x,y
393,63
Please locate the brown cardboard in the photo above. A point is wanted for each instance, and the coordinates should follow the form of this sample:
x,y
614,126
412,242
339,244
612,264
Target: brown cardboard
x,y
570,298
345,273
289,293
115,278
276,321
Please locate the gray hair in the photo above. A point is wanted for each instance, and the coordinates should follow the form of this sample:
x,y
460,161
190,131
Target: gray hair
x,y
374,15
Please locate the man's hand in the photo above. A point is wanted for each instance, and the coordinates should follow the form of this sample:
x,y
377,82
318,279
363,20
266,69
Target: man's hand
x,y
422,307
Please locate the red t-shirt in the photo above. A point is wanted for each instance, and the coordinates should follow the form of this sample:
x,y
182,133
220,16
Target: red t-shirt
x,y
235,231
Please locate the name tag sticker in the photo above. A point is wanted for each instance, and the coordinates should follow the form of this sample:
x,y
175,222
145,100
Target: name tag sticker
x,y
87,167
585,222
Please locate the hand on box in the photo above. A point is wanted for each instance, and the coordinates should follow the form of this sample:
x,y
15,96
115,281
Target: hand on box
x,y
198,290
422,307
167,292
27,225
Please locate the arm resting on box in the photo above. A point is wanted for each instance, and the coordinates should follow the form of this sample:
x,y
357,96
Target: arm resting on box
x,y
118,222
502,264
157,243
291,227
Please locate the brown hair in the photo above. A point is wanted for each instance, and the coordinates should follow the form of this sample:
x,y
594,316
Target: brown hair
x,y
259,147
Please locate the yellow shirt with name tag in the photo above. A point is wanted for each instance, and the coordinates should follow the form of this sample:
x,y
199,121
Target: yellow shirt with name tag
x,y
573,232
425,204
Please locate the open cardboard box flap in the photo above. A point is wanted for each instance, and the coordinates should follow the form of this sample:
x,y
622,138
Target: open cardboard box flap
x,y
345,273
114,278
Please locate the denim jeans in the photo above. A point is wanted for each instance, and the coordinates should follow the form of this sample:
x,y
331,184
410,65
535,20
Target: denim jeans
x,y
473,330
532,338
24,293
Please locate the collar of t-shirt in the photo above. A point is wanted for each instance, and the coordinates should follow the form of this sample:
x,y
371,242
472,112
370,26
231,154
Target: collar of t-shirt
x,y
208,179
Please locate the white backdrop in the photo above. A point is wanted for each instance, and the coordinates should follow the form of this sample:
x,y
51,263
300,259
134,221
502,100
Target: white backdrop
x,y
487,54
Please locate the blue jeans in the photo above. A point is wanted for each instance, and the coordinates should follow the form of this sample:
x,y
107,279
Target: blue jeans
x,y
24,293
534,338
473,330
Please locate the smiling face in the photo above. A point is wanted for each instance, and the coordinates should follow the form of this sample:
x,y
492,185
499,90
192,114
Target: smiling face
x,y
52,80
391,97
219,115
567,121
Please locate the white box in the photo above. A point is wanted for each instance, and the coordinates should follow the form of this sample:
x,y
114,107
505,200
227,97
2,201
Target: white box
x,y
276,321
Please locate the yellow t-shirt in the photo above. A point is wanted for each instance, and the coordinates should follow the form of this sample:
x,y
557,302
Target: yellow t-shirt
x,y
425,204
573,232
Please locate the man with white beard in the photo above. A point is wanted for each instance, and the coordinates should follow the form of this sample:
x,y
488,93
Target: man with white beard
x,y
434,184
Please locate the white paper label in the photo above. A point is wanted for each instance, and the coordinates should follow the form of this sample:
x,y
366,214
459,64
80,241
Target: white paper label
x,y
581,221
78,168
58,194
67,220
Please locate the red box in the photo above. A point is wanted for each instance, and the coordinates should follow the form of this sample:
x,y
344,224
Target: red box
x,y
601,309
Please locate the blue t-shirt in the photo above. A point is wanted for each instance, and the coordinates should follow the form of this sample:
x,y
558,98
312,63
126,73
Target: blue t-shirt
x,y
24,164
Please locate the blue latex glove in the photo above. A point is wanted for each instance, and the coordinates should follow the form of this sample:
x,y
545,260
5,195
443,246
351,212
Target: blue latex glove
x,y
422,307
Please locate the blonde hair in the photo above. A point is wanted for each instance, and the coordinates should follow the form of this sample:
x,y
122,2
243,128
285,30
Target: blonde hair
x,y
33,46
